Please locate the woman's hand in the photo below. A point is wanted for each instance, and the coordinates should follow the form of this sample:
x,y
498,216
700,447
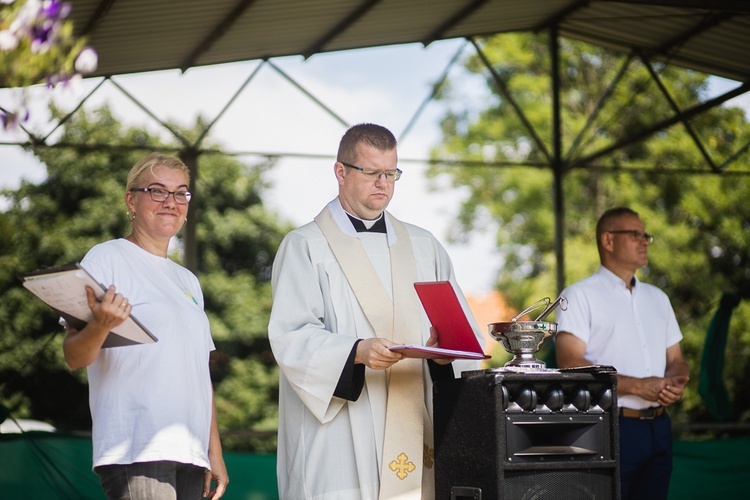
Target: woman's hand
x,y
81,347
111,311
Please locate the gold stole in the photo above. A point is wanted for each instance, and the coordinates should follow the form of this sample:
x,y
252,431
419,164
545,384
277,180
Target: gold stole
x,y
399,321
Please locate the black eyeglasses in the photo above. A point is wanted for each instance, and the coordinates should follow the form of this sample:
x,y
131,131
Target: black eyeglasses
x,y
161,195
373,175
637,235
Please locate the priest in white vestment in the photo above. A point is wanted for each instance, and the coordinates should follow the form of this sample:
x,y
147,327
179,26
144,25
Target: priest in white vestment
x,y
335,368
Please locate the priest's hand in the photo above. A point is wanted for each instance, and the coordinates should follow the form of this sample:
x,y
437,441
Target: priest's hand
x,y
376,355
433,342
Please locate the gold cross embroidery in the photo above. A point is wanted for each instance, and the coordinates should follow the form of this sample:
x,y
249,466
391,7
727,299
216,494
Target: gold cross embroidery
x,y
402,468
428,457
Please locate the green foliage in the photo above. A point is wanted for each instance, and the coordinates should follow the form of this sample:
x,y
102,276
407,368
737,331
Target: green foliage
x,y
81,203
35,57
701,222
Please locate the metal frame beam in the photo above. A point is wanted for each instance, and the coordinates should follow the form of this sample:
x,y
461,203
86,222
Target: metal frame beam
x,y
560,163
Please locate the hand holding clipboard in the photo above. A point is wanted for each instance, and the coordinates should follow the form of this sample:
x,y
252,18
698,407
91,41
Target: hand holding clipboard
x,y
64,290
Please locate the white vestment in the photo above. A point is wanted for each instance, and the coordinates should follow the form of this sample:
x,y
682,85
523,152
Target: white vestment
x,y
330,448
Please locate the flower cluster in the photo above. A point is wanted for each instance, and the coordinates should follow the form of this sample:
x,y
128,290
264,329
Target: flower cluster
x,y
37,46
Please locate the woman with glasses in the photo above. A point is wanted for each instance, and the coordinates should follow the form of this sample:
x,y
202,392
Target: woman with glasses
x,y
154,434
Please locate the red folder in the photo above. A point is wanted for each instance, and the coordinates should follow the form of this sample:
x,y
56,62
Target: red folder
x,y
456,337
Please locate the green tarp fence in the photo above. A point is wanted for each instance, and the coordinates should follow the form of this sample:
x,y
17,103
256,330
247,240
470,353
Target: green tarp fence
x,y
54,466
51,466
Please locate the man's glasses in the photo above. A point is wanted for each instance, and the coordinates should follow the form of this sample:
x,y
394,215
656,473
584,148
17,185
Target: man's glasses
x,y
373,175
637,235
161,195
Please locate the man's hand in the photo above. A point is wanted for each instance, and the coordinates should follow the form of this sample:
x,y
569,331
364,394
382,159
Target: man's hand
x,y
673,390
648,388
433,341
376,355
662,390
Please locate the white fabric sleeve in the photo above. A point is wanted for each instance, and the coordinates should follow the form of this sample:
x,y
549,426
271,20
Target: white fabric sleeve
x,y
310,356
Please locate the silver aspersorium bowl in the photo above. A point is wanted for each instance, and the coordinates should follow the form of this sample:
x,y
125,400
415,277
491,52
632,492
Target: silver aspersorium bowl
x,y
523,339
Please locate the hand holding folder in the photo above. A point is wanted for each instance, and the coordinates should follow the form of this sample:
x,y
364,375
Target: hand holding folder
x,y
456,339
64,290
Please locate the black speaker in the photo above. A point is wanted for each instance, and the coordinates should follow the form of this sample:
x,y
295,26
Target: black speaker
x,y
526,435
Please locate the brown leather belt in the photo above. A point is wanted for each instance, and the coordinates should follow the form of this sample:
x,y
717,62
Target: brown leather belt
x,y
645,414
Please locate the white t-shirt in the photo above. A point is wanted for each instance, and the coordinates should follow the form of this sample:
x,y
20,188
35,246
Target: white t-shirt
x,y
630,331
153,401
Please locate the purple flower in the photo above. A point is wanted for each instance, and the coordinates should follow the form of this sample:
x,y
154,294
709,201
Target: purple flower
x,y
41,33
40,27
10,119
53,9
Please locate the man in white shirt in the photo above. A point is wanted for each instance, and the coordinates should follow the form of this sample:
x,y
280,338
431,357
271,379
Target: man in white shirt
x,y
355,418
614,319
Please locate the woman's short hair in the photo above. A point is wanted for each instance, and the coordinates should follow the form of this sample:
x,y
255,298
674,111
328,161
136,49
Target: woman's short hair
x,y
148,163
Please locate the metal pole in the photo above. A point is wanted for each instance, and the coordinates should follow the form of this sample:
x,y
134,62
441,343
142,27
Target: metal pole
x,y
190,158
557,161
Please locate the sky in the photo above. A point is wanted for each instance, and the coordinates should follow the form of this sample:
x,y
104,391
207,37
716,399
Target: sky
x,y
385,85
381,85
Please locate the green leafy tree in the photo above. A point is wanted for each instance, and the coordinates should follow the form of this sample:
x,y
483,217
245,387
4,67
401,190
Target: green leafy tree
x,y
238,241
81,203
700,221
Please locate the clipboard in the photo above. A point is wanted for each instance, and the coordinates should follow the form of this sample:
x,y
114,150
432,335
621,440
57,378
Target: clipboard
x,y
63,288
456,337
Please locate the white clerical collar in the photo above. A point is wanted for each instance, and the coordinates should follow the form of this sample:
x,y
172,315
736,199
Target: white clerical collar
x,y
341,219
365,225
